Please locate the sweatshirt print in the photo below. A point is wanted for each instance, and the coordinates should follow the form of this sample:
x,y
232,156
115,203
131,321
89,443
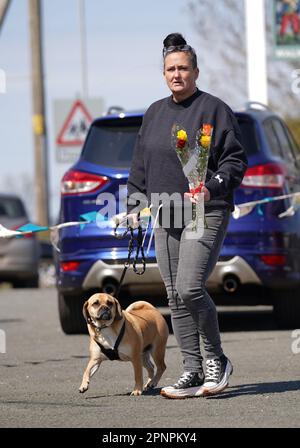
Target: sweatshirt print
x,y
155,166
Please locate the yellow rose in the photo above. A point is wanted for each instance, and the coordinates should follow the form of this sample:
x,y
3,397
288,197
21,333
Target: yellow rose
x,y
182,135
205,141
145,212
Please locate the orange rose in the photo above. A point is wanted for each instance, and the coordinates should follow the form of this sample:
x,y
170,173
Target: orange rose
x,y
206,129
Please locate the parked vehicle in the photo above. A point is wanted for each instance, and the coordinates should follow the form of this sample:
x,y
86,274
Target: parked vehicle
x,y
19,257
260,259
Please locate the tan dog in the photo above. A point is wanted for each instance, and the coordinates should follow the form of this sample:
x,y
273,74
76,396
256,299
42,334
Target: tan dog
x,y
138,331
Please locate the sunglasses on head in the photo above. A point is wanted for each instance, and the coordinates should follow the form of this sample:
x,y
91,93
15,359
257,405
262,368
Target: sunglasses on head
x,y
173,48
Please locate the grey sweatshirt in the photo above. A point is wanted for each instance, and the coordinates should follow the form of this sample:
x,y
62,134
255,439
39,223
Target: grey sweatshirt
x,y
155,166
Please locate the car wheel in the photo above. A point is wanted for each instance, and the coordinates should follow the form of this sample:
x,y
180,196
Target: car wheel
x,y
287,309
70,314
32,282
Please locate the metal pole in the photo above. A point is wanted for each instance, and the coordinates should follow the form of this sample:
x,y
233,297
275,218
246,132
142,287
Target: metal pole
x,y
4,4
256,51
38,115
82,31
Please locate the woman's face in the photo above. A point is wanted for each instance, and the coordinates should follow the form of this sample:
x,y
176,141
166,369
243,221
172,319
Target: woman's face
x,y
180,75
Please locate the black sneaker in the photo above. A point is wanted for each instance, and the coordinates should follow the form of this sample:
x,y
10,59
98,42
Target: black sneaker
x,y
187,386
217,375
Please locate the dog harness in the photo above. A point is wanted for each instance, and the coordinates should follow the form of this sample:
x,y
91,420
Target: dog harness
x,y
112,353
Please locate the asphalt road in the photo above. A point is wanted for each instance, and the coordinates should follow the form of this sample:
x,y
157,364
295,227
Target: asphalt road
x,y
42,368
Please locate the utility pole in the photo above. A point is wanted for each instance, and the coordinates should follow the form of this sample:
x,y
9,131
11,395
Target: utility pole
x,y
256,51
4,4
38,114
82,32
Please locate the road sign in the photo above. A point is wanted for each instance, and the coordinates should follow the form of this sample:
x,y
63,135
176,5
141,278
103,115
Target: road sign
x,y
75,128
72,119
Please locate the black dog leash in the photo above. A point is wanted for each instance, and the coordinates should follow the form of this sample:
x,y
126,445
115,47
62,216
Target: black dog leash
x,y
139,250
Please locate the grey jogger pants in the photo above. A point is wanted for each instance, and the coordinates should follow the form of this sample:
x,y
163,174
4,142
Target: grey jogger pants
x,y
185,264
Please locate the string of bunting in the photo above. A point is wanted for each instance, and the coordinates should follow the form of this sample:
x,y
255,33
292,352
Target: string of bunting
x,y
30,228
247,207
240,211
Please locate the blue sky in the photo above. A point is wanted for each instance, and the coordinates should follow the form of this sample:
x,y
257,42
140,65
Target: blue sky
x,y
124,43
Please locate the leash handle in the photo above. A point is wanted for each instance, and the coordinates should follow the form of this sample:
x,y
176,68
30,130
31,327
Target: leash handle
x,y
130,224
121,236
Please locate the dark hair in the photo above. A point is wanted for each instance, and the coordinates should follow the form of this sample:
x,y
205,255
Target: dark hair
x,y
176,42
174,39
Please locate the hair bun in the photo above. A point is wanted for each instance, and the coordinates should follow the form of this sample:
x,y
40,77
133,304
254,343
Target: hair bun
x,y
174,39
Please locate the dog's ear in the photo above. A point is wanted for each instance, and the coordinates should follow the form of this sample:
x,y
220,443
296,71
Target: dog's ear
x,y
119,314
85,312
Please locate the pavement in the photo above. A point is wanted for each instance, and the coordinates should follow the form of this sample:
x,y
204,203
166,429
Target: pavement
x,y
41,371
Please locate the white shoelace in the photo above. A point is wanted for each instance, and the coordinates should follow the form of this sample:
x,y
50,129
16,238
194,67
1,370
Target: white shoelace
x,y
185,376
213,368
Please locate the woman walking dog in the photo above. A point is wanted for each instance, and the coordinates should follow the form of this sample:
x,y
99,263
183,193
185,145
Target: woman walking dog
x,y
186,263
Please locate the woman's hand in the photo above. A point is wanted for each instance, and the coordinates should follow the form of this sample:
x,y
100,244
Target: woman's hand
x,y
194,197
133,220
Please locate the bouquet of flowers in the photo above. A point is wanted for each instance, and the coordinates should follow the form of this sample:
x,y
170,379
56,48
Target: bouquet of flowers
x,y
194,162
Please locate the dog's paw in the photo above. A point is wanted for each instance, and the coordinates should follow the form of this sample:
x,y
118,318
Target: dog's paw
x,y
83,388
136,393
149,386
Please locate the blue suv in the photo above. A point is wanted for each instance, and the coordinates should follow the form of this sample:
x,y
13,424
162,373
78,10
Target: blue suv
x,y
260,259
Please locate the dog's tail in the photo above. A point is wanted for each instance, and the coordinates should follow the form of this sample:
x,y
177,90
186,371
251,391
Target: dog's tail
x,y
141,304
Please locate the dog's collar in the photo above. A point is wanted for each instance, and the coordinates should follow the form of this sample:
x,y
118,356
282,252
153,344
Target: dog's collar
x,y
112,353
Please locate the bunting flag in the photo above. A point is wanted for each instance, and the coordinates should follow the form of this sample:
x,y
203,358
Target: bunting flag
x,y
240,211
30,228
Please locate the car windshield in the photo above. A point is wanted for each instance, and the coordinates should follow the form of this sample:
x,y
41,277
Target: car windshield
x,y
110,142
11,208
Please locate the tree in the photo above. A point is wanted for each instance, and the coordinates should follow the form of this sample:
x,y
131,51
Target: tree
x,y
223,59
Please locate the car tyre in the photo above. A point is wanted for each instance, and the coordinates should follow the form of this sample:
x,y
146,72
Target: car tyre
x,y
32,282
287,309
70,314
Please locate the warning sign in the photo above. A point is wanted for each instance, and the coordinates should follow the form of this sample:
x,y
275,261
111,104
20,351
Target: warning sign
x,y
72,120
75,128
